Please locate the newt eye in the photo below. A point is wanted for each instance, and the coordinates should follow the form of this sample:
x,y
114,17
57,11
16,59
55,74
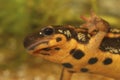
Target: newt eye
x,y
48,31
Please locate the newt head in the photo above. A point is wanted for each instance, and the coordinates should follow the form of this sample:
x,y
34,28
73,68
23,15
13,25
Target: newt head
x,y
51,42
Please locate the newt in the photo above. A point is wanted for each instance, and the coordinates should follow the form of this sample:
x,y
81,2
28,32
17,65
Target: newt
x,y
94,47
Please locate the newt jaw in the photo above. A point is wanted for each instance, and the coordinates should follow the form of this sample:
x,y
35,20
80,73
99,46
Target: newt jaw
x,y
32,46
36,47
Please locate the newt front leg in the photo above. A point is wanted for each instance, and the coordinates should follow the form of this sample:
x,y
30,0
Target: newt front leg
x,y
65,75
101,26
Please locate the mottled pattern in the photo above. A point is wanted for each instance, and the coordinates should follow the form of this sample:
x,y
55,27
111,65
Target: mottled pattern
x,y
83,37
114,30
111,44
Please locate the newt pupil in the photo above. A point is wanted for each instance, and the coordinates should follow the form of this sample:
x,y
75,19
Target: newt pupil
x,y
48,31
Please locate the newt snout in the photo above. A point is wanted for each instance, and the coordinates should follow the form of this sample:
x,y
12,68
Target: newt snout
x,y
39,39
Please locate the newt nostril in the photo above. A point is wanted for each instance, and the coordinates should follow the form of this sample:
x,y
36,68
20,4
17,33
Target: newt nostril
x,y
26,42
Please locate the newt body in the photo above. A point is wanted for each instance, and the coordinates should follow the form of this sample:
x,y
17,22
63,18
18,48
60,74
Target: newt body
x,y
92,48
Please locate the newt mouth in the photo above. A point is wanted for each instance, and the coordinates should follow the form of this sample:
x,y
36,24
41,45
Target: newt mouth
x,y
34,45
39,51
39,47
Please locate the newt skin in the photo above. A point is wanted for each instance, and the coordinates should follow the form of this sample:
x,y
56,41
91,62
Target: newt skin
x,y
92,48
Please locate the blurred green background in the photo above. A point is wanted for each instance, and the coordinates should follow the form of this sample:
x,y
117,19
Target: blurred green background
x,y
20,17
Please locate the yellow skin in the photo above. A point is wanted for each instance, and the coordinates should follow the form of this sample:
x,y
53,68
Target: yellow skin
x,y
59,45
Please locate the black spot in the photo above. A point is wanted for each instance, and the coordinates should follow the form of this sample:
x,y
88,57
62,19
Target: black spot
x,y
92,60
71,71
46,49
57,48
58,39
84,70
76,53
107,61
67,65
72,51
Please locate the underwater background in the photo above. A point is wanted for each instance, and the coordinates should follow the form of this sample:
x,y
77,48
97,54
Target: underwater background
x,y
21,17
